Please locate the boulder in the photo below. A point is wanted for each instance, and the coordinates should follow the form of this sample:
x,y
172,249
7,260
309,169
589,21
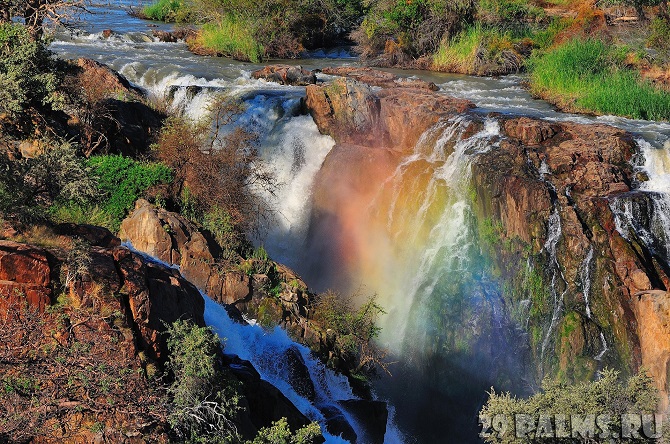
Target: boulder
x,y
372,416
379,78
286,75
337,424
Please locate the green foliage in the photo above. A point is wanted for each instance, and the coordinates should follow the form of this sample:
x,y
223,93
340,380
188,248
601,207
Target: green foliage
x,y
204,398
233,37
219,222
29,74
480,50
609,395
279,433
416,27
588,75
355,328
168,11
659,36
123,180
28,187
75,213
509,11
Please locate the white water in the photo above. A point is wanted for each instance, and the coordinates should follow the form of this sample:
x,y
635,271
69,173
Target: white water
x,y
265,351
554,233
414,280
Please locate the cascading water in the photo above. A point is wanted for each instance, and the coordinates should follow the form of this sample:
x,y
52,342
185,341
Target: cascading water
x,y
413,240
645,212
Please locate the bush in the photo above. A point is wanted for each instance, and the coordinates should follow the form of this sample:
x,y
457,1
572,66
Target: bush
x,y
588,75
659,36
123,180
29,75
609,395
355,328
479,50
28,187
416,28
494,11
217,177
204,397
280,433
168,11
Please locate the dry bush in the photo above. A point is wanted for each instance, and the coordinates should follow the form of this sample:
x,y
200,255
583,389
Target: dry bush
x,y
70,370
217,169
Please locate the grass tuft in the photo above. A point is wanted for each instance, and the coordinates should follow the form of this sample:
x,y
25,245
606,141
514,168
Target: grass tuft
x,y
231,37
590,76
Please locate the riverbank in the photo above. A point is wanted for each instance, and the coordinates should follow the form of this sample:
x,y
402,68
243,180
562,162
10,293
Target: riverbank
x,y
579,57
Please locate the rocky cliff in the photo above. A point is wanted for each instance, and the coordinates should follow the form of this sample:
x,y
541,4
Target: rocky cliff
x,y
545,198
82,321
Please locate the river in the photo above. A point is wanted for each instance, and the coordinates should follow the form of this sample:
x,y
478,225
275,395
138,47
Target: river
x,y
413,243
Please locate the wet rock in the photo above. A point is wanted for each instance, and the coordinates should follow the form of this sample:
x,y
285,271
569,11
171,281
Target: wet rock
x,y
286,75
379,78
371,415
337,424
298,373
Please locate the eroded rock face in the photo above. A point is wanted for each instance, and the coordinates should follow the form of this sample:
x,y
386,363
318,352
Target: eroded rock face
x,y
544,176
394,118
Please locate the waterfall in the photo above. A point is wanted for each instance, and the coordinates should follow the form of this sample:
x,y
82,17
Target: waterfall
x,y
645,213
554,233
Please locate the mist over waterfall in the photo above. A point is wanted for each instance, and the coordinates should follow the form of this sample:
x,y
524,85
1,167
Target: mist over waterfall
x,y
408,224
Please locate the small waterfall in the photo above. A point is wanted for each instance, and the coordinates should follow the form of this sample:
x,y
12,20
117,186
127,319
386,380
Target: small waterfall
x,y
645,213
585,275
267,352
554,234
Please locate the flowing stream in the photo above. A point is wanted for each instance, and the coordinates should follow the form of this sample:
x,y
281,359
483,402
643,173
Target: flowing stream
x,y
411,241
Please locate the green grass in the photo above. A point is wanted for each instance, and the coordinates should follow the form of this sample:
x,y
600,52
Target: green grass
x,y
232,37
590,76
460,52
167,11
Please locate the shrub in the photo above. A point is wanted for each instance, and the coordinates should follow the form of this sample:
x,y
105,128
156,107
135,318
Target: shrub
x,y
279,433
204,397
168,11
416,27
221,174
609,395
479,50
355,328
493,11
29,74
588,75
123,180
28,187
659,36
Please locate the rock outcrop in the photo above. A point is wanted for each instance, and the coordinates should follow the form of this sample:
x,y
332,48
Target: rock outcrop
x,y
95,313
115,117
382,79
286,75
543,179
393,118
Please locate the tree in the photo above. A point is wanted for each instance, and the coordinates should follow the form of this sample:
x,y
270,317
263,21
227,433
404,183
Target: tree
x,y
35,13
219,174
